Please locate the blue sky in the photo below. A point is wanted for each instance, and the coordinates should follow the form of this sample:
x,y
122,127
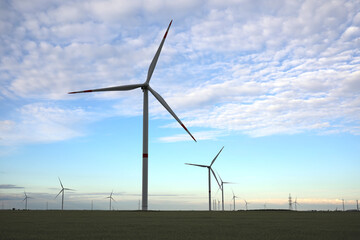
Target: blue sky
x,y
277,84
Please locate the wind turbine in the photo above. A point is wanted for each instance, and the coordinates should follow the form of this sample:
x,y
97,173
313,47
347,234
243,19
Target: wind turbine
x,y
233,198
296,204
63,192
145,88
25,199
246,204
290,202
111,198
210,171
222,190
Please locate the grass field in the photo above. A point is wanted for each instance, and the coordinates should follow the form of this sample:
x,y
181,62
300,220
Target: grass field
x,y
179,225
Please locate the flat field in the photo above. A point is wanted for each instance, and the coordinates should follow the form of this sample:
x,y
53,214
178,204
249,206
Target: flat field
x,y
179,225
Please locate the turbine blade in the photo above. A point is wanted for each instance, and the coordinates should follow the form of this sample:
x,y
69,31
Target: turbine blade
x,y
215,177
162,101
216,156
197,165
117,88
156,57
219,177
61,183
59,193
69,189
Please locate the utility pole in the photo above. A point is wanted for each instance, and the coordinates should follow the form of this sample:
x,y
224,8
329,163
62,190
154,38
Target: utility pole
x,y
92,205
357,205
343,202
290,202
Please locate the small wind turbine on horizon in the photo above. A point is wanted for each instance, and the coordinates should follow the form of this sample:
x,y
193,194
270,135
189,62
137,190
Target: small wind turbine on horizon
x,y
296,204
63,193
25,199
222,189
210,171
246,203
233,198
111,198
145,88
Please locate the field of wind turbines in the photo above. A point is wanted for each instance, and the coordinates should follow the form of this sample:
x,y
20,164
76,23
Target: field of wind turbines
x,y
264,143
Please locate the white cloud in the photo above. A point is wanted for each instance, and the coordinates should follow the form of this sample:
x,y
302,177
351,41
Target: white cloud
x,y
254,68
41,122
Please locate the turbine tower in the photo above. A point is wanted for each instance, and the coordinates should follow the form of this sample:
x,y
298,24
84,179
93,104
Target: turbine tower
x,y
357,205
343,204
111,198
145,88
290,202
210,171
222,190
63,192
25,199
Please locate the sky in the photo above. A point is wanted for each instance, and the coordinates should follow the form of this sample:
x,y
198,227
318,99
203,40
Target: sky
x,y
276,83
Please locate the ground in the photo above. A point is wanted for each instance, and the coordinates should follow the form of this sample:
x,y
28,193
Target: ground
x,y
198,225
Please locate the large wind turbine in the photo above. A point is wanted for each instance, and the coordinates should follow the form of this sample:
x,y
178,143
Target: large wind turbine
x,y
222,190
25,199
210,171
63,192
145,88
111,198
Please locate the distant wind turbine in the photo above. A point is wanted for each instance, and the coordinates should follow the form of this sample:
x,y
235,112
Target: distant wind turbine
x,y
233,198
343,204
296,204
63,193
111,198
145,88
290,202
222,190
246,204
210,171
25,199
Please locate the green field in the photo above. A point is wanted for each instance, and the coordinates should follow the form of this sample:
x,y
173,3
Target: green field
x,y
179,225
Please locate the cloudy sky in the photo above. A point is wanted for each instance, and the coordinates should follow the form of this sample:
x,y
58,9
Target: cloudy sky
x,y
277,83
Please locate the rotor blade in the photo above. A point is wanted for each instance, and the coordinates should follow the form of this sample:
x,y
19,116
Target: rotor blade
x,y
228,183
59,193
61,183
162,101
118,88
216,157
215,177
197,165
113,199
219,177
69,189
156,57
